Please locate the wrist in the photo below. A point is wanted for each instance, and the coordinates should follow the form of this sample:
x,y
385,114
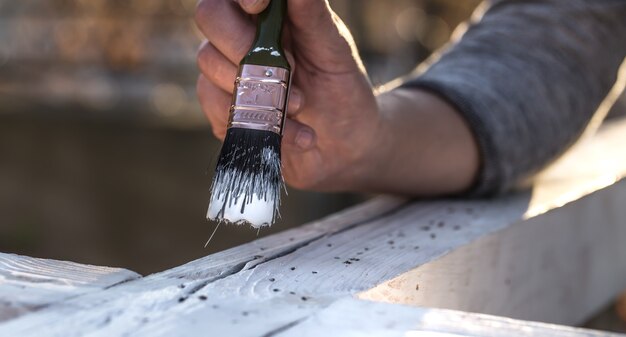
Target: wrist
x,y
371,166
422,146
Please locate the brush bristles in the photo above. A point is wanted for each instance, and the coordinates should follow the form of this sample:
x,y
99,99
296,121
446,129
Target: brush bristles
x,y
248,179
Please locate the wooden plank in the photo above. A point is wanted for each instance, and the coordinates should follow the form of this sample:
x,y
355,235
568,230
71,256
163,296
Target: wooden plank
x,y
562,253
269,285
29,284
135,306
560,267
351,317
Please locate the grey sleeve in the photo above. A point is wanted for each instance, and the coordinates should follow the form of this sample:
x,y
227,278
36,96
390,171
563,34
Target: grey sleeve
x,y
528,78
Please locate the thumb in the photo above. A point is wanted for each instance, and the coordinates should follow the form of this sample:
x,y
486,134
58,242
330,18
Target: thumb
x,y
307,14
320,37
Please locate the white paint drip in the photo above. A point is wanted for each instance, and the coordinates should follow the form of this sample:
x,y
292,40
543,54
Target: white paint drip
x,y
257,212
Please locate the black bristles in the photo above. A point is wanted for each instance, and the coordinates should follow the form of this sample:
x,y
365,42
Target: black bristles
x,y
249,164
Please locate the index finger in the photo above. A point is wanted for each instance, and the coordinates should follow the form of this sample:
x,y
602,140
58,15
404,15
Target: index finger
x,y
226,26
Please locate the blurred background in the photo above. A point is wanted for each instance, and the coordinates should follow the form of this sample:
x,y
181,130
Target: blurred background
x,y
105,156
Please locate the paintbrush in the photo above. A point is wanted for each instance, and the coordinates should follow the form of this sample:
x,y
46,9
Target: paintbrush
x,y
248,181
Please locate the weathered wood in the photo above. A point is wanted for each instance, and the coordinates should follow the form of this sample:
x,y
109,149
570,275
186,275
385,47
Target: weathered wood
x,y
29,284
560,267
560,262
158,292
351,317
515,255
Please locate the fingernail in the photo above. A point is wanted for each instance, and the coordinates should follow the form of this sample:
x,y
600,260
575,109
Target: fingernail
x,y
304,138
249,3
295,100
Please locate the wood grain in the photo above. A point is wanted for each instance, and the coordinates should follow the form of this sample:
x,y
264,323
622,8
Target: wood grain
x,y
29,284
560,267
551,253
351,317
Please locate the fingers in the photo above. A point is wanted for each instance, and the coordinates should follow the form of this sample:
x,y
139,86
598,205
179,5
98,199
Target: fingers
x,y
309,15
318,34
321,38
295,103
299,136
215,104
230,32
226,26
216,67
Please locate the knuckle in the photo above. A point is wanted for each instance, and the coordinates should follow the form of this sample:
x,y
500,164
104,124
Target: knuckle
x,y
199,12
225,75
203,57
213,68
297,184
218,131
201,53
214,72
200,88
241,48
301,183
204,12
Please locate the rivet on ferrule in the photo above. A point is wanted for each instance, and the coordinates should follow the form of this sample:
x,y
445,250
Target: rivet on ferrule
x,y
260,98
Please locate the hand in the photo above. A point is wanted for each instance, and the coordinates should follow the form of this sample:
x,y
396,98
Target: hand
x,y
333,120
338,135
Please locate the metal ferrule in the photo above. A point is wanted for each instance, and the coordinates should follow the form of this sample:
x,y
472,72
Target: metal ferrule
x,y
260,98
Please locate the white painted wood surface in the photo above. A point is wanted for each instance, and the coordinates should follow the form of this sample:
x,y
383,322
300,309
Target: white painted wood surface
x,y
560,267
554,253
355,318
568,250
29,284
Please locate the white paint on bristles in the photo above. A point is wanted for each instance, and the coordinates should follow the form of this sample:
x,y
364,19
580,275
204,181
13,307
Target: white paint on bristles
x,y
258,212
260,209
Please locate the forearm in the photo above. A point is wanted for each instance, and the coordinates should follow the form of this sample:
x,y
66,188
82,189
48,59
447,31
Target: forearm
x,y
528,79
424,148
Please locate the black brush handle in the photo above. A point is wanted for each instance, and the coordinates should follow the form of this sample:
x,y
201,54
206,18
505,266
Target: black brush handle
x,y
267,48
